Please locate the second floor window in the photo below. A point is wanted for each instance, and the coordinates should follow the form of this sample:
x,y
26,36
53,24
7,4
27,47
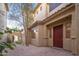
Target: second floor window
x,y
52,6
40,8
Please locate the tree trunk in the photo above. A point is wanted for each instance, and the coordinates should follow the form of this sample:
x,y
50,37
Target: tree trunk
x,y
26,31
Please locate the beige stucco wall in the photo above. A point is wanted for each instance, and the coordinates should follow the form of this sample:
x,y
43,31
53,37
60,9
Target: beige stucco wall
x,y
75,30
71,44
42,31
35,40
40,36
67,43
41,13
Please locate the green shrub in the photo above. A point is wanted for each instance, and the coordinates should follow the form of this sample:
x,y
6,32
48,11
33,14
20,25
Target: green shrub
x,y
1,33
5,45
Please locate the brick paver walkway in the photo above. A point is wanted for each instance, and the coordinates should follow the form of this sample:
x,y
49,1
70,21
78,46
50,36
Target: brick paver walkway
x,y
21,50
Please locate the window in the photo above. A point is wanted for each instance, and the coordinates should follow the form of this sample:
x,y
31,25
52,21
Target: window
x,y
68,30
52,6
33,34
40,8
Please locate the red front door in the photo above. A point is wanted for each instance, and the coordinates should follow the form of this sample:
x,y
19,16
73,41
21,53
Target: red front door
x,y
58,36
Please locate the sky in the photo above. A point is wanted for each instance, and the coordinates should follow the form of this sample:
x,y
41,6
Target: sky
x,y
14,16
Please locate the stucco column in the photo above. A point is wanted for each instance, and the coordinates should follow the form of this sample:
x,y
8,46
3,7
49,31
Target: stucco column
x,y
75,30
74,34
77,22
42,35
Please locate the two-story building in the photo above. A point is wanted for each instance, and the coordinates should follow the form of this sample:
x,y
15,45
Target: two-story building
x,y
56,25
